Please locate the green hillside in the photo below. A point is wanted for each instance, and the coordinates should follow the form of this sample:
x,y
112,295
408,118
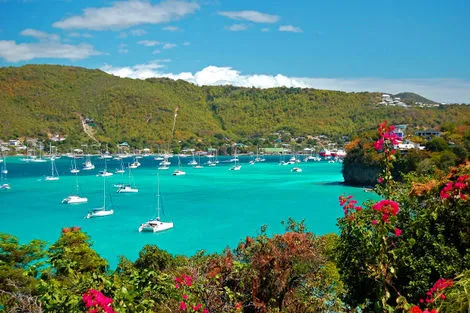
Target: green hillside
x,y
412,98
37,100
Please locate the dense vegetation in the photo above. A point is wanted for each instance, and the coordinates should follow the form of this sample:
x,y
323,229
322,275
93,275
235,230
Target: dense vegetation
x,y
362,164
38,100
409,252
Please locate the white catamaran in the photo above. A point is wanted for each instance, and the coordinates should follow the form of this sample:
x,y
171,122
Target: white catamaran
x,y
155,224
102,211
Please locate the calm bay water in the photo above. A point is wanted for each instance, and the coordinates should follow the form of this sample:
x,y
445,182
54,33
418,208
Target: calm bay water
x,y
211,207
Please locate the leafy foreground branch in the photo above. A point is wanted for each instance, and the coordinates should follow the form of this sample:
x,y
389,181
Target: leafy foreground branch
x,y
408,252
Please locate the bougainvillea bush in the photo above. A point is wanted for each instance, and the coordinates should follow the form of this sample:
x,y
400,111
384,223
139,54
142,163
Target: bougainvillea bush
x,y
394,251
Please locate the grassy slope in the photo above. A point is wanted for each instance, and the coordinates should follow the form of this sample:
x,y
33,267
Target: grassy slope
x,y
39,99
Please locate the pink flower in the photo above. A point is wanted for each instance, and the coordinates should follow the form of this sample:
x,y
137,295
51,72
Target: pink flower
x,y
444,195
185,297
205,310
374,222
197,307
398,232
183,306
387,207
380,180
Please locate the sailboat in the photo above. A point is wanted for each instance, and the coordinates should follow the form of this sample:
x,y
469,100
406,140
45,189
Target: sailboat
x,y
134,164
156,225
87,166
121,169
179,171
54,173
193,162
105,171
128,188
252,159
75,199
236,166
164,165
3,175
3,160
40,159
74,169
98,212
198,165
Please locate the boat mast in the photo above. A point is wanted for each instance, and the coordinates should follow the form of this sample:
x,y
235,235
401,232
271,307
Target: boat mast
x,y
158,196
104,192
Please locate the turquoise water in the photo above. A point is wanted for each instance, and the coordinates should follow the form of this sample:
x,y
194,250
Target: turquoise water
x,y
212,207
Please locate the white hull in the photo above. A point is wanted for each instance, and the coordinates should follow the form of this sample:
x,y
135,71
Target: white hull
x,y
38,160
155,226
99,213
178,173
4,187
51,178
120,171
296,170
127,189
163,168
236,168
74,171
104,174
74,200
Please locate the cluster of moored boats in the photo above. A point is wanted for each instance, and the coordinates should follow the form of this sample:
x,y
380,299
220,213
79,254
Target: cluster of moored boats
x,y
154,224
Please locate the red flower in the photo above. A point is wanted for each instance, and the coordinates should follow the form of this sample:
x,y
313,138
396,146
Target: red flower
x,y
238,305
197,307
374,222
183,306
416,309
398,232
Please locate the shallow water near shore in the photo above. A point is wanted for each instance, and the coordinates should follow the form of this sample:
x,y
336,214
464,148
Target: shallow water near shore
x,y
212,207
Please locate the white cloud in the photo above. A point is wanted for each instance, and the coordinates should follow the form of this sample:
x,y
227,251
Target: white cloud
x,y
148,43
252,16
265,29
157,51
141,71
84,35
169,46
123,48
186,43
138,32
42,36
438,89
290,28
172,28
237,27
13,52
125,14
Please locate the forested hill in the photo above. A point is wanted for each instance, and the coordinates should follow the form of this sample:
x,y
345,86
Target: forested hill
x,y
37,100
412,98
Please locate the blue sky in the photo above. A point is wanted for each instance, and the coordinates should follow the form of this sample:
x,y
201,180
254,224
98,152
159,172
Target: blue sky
x,y
379,45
